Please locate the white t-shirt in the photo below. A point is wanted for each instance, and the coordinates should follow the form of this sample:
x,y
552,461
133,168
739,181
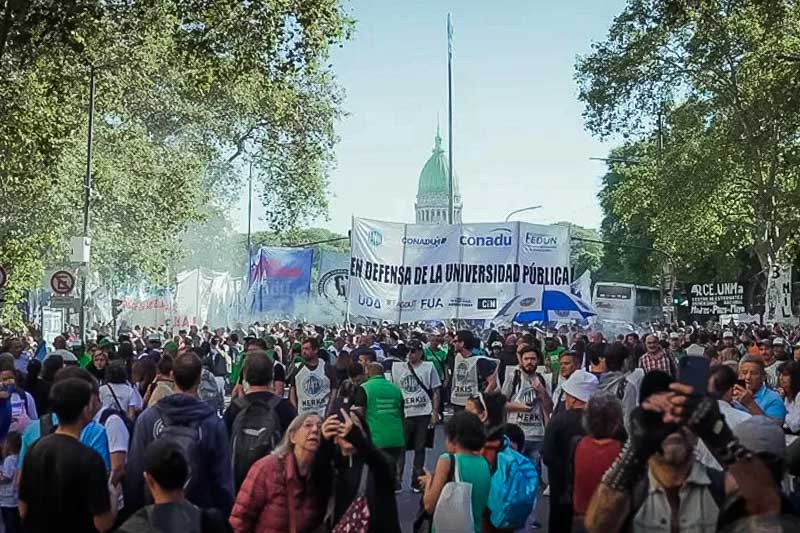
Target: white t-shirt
x,y
415,399
116,430
124,393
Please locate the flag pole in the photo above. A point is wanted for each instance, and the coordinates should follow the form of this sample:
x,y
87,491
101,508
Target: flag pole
x,y
450,204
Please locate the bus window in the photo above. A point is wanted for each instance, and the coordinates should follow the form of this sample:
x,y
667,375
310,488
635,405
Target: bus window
x,y
613,292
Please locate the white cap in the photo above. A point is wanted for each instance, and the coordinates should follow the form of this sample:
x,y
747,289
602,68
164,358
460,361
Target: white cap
x,y
674,335
727,334
696,350
580,385
778,341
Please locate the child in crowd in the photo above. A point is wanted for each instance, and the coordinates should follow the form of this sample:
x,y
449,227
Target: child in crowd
x,y
9,497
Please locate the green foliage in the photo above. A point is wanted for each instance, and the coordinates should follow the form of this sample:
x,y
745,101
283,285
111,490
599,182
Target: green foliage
x,y
723,78
185,91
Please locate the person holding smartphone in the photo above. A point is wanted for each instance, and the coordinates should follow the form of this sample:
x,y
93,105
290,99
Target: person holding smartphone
x,y
755,397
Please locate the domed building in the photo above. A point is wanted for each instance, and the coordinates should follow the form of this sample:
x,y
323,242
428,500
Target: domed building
x,y
433,191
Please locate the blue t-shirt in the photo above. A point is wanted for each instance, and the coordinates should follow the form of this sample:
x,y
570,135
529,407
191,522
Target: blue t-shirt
x,y
93,435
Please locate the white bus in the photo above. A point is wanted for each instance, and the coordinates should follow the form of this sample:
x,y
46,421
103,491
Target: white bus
x,y
625,302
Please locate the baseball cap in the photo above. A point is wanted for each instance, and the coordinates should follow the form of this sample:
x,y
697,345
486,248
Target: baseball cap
x,y
696,350
761,434
580,385
414,345
727,334
497,344
674,335
778,341
154,337
105,342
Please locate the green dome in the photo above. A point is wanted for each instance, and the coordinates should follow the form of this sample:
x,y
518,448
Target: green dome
x,y
433,180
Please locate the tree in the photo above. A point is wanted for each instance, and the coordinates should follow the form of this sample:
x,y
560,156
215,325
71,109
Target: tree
x,y
720,174
186,91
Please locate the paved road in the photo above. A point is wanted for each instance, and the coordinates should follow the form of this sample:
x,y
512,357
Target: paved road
x,y
408,502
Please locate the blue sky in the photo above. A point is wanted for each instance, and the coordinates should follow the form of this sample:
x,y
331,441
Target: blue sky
x,y
518,133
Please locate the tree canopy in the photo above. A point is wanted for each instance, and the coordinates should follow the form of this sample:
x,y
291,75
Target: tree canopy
x,y
187,92
705,93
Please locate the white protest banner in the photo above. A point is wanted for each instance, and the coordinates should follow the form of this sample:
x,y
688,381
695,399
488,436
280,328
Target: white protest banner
x,y
779,294
411,272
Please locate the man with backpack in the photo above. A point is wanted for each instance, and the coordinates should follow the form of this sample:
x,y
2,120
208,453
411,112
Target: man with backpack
x,y
529,404
256,421
192,424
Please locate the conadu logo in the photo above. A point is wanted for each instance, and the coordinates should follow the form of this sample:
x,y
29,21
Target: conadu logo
x,y
426,242
496,238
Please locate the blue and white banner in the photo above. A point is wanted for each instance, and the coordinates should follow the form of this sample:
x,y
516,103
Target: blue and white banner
x,y
411,272
280,279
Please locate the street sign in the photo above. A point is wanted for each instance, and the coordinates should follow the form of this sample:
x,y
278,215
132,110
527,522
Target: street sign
x,y
3,277
64,302
62,282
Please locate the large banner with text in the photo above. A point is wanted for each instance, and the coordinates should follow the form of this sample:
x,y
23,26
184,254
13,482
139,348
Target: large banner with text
x,y
410,272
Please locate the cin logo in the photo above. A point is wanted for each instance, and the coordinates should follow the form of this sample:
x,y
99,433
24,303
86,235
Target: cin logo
x,y
375,237
498,237
313,386
369,301
431,303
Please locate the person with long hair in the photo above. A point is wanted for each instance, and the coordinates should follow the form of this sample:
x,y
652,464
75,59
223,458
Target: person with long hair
x,y
788,387
358,469
40,390
280,492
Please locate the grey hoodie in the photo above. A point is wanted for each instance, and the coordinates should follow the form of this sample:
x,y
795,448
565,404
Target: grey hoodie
x,y
612,382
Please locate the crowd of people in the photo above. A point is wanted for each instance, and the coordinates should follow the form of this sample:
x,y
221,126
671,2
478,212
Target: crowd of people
x,y
298,428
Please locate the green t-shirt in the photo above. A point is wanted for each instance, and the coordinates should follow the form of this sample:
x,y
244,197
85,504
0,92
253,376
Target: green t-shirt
x,y
84,360
474,469
438,358
554,356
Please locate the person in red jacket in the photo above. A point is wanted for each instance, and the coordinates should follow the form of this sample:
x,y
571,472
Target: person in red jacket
x,y
279,494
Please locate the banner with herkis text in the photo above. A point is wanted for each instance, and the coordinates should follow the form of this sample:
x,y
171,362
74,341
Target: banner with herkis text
x,y
410,272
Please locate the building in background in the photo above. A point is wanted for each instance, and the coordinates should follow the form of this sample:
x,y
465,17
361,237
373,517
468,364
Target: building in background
x,y
432,193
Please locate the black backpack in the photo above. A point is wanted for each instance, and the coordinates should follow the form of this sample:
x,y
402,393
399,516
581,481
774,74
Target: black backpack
x,y
188,438
119,411
255,432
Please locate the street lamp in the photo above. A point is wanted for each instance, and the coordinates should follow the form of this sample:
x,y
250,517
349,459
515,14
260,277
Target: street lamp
x,y
531,208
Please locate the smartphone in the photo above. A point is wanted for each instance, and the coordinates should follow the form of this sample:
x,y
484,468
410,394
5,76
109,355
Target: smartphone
x,y
693,371
741,383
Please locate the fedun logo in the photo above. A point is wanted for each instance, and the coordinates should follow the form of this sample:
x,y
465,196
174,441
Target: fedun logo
x,y
375,237
313,386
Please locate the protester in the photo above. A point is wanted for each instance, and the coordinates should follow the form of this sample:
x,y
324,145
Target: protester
x,y
382,404
676,350
490,408
623,385
165,474
472,373
777,356
419,383
313,382
279,494
63,484
359,470
656,358
93,435
259,412
97,367
602,420
560,439
552,352
9,495
756,397
163,385
788,388
529,404
23,407
193,424
116,393
568,363
465,437
41,388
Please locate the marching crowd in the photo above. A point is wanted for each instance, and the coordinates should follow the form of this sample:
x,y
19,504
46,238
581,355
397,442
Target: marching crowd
x,y
134,433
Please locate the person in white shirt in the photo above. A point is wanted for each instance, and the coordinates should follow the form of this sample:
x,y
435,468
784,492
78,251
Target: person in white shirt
x,y
419,382
117,393
788,388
